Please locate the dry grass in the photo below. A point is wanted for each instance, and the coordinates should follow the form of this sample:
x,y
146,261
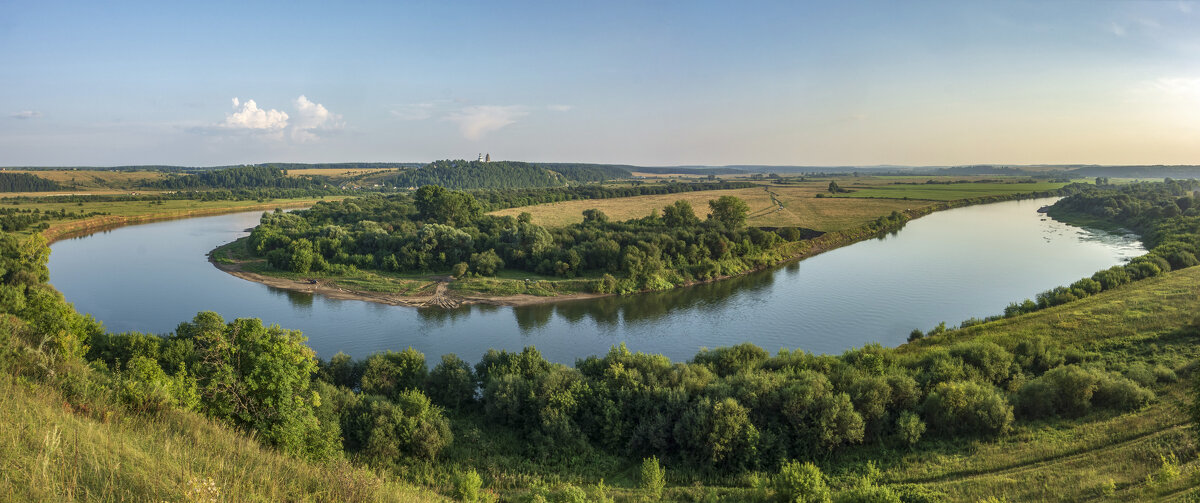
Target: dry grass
x,y
800,207
53,451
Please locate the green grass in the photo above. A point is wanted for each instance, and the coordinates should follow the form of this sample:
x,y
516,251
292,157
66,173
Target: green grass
x,y
943,192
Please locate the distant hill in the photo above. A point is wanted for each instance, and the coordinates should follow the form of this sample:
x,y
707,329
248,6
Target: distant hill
x,y
689,170
1138,171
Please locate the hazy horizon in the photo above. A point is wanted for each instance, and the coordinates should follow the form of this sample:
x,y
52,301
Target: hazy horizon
x,y
665,84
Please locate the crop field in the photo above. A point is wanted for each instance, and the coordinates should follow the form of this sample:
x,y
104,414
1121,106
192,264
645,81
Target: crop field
x,y
793,204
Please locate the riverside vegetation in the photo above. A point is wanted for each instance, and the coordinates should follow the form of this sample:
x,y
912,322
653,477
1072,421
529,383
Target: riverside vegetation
x,y
958,414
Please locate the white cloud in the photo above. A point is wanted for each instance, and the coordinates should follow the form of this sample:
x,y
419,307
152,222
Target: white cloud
x,y
1185,7
413,112
476,121
559,108
249,116
312,117
1117,29
26,114
307,121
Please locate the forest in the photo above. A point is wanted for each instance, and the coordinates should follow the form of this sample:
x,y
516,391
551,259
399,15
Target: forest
x,y
439,229
25,182
461,174
244,177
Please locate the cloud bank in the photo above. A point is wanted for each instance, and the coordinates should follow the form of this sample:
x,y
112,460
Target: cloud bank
x,y
306,123
26,114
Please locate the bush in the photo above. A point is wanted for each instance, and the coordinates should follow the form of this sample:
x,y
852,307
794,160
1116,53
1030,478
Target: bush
x,y
909,428
387,432
467,485
652,478
967,407
391,372
451,384
801,483
1071,390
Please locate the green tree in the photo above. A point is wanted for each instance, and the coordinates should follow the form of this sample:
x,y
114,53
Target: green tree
x,y
729,210
834,188
259,378
679,214
391,372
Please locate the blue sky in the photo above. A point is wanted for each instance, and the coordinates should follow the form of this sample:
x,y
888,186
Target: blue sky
x,y
652,83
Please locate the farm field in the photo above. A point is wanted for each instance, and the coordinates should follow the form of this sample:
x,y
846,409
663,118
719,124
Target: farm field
x,y
788,205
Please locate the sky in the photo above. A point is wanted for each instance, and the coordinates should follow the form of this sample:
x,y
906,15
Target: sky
x,y
642,82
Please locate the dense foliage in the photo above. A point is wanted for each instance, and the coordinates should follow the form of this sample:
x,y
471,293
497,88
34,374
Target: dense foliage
x,y
588,172
438,229
460,174
25,182
245,177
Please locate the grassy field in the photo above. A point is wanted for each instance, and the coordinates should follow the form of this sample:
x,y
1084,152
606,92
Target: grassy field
x,y
792,205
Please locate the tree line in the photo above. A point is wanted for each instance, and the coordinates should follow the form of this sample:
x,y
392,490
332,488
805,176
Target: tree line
x,y
242,177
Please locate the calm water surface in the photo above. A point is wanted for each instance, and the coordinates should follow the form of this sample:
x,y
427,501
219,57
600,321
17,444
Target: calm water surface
x,y
949,266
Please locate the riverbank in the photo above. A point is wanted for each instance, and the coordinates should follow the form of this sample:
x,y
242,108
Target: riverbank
x,y
74,228
443,291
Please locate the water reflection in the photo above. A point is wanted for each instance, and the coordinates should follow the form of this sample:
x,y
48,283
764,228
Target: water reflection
x,y
645,308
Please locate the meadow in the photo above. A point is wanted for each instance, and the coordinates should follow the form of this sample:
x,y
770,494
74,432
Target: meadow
x,y
795,204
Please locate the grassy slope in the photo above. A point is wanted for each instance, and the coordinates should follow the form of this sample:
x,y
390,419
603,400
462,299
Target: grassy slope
x,y
1100,456
50,451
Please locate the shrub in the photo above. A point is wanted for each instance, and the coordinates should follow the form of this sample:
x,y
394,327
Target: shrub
x,y
386,432
1071,390
909,428
391,372
451,384
967,407
801,483
652,478
467,485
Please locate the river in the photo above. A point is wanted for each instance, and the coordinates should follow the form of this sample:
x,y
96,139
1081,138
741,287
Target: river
x,y
948,266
